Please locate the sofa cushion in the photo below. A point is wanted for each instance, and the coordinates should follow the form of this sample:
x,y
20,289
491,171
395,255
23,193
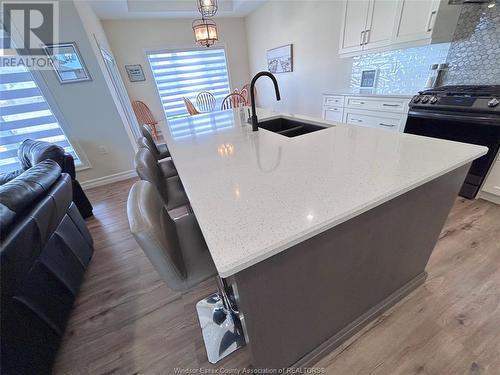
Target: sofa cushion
x,y
7,176
32,152
20,193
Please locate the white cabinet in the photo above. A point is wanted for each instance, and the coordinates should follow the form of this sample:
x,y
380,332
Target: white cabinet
x,y
333,114
378,25
380,112
354,25
416,20
373,119
492,183
379,28
365,24
376,103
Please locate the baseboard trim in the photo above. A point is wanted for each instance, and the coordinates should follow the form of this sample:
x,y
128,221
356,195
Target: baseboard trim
x,y
100,181
489,197
310,359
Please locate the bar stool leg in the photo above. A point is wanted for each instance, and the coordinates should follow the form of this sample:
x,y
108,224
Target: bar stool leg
x,y
220,325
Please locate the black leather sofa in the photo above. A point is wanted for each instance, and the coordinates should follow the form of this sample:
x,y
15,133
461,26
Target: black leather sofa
x,y
31,152
45,249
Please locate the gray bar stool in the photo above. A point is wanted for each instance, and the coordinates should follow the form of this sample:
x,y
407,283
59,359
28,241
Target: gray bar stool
x,y
170,188
160,151
167,165
180,255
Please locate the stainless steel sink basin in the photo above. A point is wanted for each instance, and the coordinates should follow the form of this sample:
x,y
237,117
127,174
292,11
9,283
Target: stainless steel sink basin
x,y
289,127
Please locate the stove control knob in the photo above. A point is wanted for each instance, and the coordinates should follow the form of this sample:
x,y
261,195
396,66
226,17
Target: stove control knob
x,y
433,100
425,99
416,99
493,102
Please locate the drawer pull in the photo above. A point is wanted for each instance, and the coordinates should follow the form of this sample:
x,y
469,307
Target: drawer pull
x,y
358,102
332,109
357,120
390,105
388,125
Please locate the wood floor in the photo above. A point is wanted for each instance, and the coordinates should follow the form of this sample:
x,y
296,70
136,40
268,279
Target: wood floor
x,y
126,321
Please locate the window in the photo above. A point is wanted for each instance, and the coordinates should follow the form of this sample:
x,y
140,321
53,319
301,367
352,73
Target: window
x,y
185,74
25,114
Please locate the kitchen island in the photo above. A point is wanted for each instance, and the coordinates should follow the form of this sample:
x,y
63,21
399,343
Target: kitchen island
x,y
317,234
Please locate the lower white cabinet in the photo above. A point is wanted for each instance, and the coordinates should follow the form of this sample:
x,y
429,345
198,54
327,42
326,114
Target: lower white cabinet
x,y
492,183
372,119
383,112
333,113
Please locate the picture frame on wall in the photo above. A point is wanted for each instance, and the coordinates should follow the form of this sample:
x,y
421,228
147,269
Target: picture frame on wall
x,y
67,62
368,79
135,73
280,59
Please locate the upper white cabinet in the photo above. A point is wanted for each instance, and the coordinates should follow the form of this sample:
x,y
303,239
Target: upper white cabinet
x,y
416,20
378,30
377,25
355,15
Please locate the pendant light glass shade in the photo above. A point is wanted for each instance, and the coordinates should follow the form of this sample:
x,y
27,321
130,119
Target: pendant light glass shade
x,y
205,32
207,8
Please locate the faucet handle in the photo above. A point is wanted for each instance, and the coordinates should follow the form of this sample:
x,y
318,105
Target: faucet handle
x,y
249,119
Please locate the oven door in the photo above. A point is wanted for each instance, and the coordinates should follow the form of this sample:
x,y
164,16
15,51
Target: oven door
x,y
476,128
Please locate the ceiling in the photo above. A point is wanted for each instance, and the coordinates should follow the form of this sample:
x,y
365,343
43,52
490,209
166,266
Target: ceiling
x,y
130,9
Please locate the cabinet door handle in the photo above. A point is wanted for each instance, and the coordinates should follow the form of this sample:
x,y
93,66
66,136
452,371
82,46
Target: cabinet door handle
x,y
367,36
429,23
390,105
362,38
388,125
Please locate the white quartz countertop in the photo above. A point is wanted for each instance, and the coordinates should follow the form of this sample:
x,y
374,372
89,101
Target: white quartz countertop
x,y
255,194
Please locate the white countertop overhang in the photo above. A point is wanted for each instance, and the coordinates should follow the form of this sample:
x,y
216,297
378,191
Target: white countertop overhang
x,y
256,194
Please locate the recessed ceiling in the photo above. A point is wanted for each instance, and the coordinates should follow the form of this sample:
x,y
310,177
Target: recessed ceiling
x,y
119,9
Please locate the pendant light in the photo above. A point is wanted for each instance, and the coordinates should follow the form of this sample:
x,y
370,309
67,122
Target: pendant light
x,y
205,32
207,8
205,29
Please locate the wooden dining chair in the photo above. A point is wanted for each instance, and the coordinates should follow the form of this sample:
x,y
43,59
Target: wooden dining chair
x,y
246,94
245,91
190,107
144,116
205,102
233,100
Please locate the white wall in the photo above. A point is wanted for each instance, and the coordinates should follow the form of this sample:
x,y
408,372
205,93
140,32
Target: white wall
x,y
90,116
313,27
131,39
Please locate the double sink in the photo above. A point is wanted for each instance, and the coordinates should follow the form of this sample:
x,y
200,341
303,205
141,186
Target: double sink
x,y
289,127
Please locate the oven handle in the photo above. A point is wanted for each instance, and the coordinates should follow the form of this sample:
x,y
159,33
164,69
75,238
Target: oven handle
x,y
493,120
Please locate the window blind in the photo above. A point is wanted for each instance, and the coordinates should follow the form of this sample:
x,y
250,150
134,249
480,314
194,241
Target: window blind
x,y
185,74
24,113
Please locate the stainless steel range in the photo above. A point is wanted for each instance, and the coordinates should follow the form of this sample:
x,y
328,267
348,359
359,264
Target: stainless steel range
x,y
469,114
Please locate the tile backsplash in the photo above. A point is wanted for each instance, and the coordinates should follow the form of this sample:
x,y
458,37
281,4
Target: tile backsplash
x,y
473,56
403,71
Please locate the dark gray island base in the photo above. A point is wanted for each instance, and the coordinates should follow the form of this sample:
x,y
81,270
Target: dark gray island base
x,y
300,304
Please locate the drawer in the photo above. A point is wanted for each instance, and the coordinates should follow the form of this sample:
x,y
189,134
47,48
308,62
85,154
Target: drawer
x,y
377,104
492,183
335,101
333,114
379,120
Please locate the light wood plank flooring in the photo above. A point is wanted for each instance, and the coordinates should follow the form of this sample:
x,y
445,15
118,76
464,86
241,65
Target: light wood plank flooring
x,y
126,320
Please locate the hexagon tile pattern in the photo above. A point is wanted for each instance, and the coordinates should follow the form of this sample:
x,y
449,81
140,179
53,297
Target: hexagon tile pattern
x,y
474,54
